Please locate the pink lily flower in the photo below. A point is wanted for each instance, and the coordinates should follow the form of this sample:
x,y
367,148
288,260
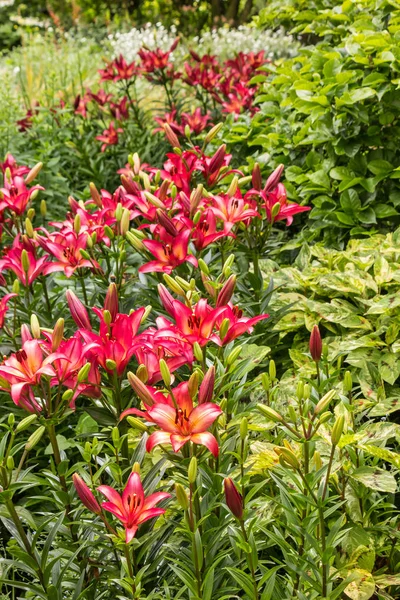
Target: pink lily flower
x,y
182,422
4,307
170,252
133,507
238,324
66,248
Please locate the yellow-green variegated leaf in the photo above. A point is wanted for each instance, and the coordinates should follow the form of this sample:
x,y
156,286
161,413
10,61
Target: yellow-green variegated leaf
x,y
362,587
375,479
383,453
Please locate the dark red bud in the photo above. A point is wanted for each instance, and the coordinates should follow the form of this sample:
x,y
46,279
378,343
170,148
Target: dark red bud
x,y
256,177
218,159
206,390
315,344
233,499
274,178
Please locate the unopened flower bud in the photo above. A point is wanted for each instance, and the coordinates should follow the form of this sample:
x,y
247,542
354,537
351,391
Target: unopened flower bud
x,y
203,267
181,496
111,365
137,424
256,177
11,419
337,430
275,210
233,187
226,291
142,373
35,326
213,132
233,499
95,195
140,389
83,373
347,382
25,260
146,313
234,355
288,456
67,396
217,160
206,390
317,460
307,391
183,283
274,178
25,423
197,351
43,208
125,221
192,470
77,223
33,173
115,436
270,413
315,344
85,494
134,241
109,232
16,287
136,468
29,228
292,413
58,334
272,370
266,381
165,373
300,390
195,198
118,212
187,131
10,463
244,427
223,329
107,317
193,384
78,311
35,438
173,285
111,301
323,404
171,136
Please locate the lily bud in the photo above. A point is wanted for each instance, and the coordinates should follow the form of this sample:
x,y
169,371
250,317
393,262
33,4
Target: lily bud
x,y
142,373
206,390
307,391
35,326
197,351
118,212
25,260
10,463
43,208
233,187
233,355
195,198
192,470
166,299
125,221
203,267
187,131
140,389
218,159
33,173
137,424
11,419
181,496
115,436
85,494
171,136
164,187
275,210
266,381
83,373
29,228
347,382
165,373
226,291
166,222
173,285
67,396
300,390
78,311
25,423
317,460
111,301
270,413
324,402
213,132
288,456
227,265
337,431
233,499
272,370
193,384
35,438
77,223
58,333
256,177
94,193
136,163
183,283
315,344
111,365
244,427
136,468
133,241
274,178
146,313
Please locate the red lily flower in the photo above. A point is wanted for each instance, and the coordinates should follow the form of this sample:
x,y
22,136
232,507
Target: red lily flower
x,y
286,209
66,247
170,252
182,422
205,231
12,261
118,69
232,210
165,343
109,137
26,122
119,110
133,507
80,105
116,341
4,307
11,164
25,368
196,121
196,324
238,324
15,195
170,118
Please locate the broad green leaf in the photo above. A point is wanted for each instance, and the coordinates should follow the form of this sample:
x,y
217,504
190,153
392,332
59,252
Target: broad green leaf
x,y
375,479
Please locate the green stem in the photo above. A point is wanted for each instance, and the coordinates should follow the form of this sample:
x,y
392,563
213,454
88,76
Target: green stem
x,y
328,473
130,569
250,558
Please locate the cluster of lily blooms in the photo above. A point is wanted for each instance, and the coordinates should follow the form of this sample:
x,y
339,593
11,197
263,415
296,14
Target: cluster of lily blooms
x,y
226,83
171,221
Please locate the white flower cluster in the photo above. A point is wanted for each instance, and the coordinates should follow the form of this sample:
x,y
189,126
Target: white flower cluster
x,y
224,42
6,3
